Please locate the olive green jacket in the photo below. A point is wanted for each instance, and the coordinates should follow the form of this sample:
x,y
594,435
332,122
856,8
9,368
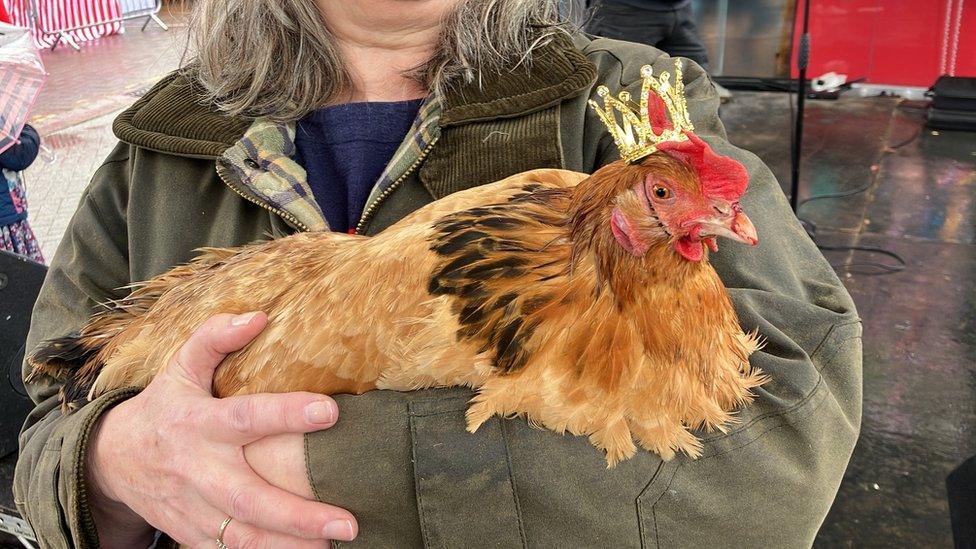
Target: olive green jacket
x,y
402,462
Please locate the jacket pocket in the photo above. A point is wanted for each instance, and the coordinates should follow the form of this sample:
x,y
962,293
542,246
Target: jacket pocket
x,y
768,483
465,493
42,509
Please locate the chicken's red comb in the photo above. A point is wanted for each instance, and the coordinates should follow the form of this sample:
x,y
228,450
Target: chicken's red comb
x,y
719,176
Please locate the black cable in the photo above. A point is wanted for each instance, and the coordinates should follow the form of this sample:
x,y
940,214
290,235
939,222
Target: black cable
x,y
789,100
879,268
844,194
15,387
883,267
915,134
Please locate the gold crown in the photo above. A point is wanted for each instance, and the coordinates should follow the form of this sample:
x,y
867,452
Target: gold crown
x,y
636,138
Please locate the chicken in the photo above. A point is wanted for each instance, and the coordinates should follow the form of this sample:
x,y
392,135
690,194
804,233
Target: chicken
x,y
585,304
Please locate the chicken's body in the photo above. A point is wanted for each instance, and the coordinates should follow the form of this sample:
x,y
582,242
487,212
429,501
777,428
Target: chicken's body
x,y
501,288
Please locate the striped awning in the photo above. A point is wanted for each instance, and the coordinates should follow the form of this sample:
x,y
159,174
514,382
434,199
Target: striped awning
x,y
82,20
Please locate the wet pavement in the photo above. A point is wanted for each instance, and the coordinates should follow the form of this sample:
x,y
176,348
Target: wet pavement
x,y
74,112
919,418
108,73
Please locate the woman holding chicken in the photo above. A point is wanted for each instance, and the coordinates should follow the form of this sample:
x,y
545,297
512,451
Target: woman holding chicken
x,y
302,115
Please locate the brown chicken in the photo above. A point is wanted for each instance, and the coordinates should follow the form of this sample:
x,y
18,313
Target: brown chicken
x,y
586,304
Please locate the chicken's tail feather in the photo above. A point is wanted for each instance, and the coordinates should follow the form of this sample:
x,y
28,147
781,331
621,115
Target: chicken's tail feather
x,y
72,360
77,359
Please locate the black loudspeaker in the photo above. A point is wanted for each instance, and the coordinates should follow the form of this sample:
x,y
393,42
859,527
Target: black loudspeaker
x,y
953,104
961,490
20,282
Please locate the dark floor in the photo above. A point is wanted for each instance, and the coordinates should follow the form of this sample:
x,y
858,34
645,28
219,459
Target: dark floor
x,y
919,419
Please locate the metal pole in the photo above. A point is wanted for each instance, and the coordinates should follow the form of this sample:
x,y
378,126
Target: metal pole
x,y
802,60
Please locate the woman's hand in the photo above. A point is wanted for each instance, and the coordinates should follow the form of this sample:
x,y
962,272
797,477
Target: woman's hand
x,y
172,457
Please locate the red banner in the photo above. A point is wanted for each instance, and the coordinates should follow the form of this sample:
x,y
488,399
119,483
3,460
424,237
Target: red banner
x,y
891,41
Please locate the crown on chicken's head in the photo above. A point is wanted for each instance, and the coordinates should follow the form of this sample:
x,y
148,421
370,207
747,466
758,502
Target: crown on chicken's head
x,y
661,123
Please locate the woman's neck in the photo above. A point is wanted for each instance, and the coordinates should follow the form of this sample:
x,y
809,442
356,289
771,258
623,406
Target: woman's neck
x,y
381,41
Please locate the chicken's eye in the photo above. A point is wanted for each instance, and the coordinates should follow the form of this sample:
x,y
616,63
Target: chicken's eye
x,y
661,192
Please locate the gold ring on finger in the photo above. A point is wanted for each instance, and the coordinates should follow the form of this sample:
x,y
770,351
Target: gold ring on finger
x,y
220,533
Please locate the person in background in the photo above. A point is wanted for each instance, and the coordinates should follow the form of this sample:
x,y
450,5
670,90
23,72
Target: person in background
x,y
668,25
15,233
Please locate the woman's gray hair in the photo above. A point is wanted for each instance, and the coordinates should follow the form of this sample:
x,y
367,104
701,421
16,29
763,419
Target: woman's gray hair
x,y
276,58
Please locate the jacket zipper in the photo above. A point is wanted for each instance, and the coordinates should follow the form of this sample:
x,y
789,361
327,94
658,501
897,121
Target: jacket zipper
x,y
222,172
371,209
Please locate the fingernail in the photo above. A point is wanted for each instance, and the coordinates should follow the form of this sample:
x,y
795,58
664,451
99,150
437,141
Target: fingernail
x,y
339,530
241,320
321,412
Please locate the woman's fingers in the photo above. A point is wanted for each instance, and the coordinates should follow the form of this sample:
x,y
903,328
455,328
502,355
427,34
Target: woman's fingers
x,y
140,455
244,536
238,535
219,336
244,419
251,500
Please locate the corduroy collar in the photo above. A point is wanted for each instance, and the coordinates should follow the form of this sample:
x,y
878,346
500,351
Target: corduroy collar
x,y
169,119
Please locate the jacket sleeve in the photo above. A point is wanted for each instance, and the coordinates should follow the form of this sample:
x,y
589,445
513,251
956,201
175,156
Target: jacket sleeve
x,y
90,264
796,439
22,154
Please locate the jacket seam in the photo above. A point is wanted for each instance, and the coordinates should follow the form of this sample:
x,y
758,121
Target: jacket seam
x,y
559,134
801,402
308,468
512,484
769,430
91,197
428,401
768,416
637,502
620,64
830,332
438,412
828,362
110,162
657,532
421,515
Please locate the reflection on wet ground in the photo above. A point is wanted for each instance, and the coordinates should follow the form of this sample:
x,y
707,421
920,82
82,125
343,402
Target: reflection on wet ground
x,y
919,419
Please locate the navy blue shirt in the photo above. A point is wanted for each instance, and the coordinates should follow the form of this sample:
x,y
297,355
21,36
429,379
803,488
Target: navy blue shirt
x,y
344,150
15,159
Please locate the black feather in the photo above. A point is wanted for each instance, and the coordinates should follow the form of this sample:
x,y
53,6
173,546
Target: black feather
x,y
68,359
480,246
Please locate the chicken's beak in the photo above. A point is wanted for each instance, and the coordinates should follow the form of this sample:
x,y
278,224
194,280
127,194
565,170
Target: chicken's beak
x,y
733,223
